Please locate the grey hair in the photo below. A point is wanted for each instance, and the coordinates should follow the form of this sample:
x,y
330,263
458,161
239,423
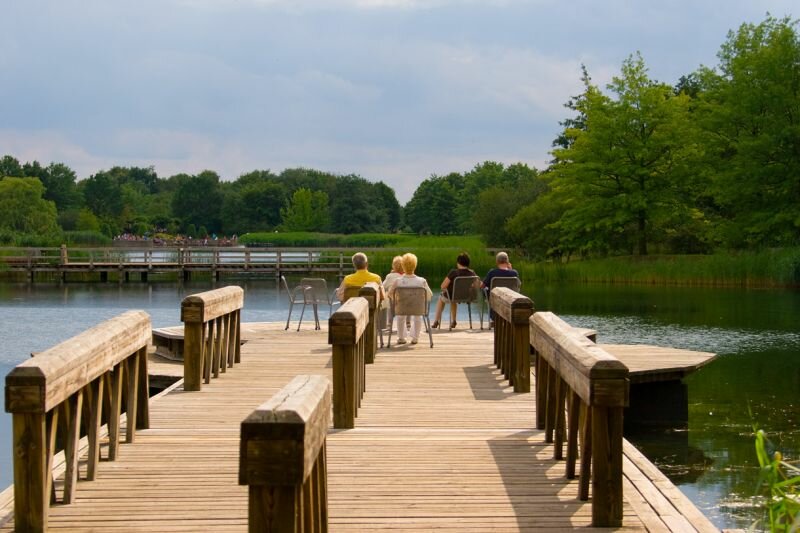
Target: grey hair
x,y
360,260
501,258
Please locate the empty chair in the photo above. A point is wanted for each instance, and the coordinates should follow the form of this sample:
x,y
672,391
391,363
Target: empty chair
x,y
316,293
411,301
513,283
466,290
295,295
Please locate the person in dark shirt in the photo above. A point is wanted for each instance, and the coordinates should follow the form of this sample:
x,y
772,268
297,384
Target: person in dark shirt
x,y
462,269
503,270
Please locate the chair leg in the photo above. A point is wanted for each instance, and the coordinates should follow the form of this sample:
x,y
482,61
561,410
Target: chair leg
x,y
389,344
291,304
430,332
469,311
316,317
302,311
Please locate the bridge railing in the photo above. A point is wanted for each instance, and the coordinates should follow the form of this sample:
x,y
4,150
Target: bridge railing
x,y
511,336
92,377
211,334
581,392
282,458
370,291
347,333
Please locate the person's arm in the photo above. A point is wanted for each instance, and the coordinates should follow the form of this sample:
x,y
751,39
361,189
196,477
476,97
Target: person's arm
x,y
340,292
446,283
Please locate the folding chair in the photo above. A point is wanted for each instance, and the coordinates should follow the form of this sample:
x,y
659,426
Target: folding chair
x,y
466,290
410,301
316,294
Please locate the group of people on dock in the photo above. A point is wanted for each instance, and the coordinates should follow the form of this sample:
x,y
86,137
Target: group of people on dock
x,y
403,275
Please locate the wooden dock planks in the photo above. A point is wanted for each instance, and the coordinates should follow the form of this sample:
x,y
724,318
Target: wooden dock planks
x,y
441,443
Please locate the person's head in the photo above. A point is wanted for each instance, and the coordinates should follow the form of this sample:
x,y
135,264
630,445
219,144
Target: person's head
x,y
501,258
463,259
409,263
397,263
360,261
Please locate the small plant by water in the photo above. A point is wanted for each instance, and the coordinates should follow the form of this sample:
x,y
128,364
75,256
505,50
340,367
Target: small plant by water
x,y
779,482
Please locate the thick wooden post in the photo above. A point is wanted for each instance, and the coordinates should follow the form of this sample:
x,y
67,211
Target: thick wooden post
x,y
282,458
31,497
512,312
346,332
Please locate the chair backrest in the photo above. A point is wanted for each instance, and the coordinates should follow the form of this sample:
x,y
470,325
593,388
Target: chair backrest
x,y
319,290
350,292
286,288
465,289
513,283
410,301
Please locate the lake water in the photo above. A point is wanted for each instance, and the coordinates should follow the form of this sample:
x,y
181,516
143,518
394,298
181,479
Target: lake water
x,y
756,380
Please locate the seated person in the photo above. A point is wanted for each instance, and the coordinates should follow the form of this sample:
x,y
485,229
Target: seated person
x,y
409,279
395,274
503,270
462,269
358,278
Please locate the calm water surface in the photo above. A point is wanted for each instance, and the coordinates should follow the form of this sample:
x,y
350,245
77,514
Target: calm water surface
x,y
755,381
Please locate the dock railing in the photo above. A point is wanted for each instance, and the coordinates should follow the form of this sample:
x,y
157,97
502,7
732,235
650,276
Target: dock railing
x,y
282,458
511,336
371,292
212,334
577,379
347,333
78,383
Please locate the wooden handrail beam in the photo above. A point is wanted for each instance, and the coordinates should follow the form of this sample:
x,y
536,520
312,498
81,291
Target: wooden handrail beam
x,y
48,391
582,389
371,292
282,458
211,333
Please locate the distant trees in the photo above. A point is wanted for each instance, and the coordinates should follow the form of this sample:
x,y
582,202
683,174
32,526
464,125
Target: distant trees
x,y
23,208
307,211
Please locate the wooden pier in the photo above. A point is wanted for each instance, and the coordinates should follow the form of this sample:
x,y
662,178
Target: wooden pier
x,y
121,263
441,442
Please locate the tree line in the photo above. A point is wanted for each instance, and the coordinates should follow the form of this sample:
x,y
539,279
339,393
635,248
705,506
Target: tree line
x,y
43,200
712,162
640,166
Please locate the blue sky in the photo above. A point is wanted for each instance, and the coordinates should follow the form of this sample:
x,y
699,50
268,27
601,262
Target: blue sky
x,y
393,90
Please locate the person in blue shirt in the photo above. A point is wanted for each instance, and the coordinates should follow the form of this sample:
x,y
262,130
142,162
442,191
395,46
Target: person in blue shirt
x,y
502,270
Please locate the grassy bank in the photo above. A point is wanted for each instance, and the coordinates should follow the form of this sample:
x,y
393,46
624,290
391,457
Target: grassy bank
x,y
766,268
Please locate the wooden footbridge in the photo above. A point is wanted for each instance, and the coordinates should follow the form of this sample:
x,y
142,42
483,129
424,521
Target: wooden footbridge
x,y
319,430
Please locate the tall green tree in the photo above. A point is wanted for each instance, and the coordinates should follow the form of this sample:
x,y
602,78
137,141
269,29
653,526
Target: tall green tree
x,y
23,208
10,167
307,211
197,200
631,169
750,109
432,208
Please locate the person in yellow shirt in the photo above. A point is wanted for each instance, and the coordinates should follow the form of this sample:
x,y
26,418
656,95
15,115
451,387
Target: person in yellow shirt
x,y
358,278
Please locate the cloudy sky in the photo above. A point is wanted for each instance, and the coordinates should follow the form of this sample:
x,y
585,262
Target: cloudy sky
x,y
394,90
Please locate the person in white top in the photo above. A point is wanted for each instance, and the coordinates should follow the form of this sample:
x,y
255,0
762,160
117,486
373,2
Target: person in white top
x,y
409,279
394,275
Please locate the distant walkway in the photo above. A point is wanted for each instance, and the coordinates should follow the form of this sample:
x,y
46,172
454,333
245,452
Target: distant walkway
x,y
441,442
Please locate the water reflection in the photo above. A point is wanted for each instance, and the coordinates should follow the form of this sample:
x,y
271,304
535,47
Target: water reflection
x,y
755,381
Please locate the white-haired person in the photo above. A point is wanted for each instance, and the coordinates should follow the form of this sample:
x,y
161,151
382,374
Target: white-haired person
x,y
409,279
502,270
361,276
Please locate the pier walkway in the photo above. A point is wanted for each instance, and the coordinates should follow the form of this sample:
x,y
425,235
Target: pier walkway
x,y
441,443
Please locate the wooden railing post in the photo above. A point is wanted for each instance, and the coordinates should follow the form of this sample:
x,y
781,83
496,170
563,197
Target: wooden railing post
x,y
371,292
46,396
282,459
211,325
581,393
346,333
512,345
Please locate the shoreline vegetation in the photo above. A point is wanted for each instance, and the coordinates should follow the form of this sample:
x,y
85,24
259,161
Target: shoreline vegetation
x,y
768,268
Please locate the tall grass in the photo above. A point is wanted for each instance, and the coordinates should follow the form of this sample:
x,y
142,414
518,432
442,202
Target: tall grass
x,y
766,268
